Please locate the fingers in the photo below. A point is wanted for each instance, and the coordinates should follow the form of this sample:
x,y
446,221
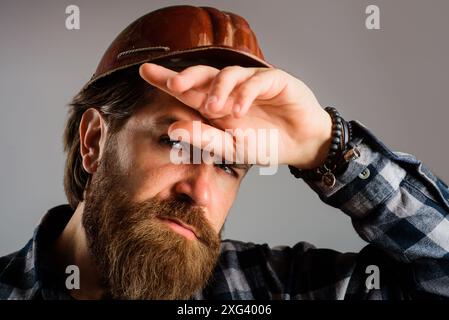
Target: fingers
x,y
235,89
263,85
216,93
222,85
204,137
198,77
156,75
185,86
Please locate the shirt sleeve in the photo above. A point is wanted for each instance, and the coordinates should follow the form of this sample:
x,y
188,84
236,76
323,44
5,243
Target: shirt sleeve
x,y
401,208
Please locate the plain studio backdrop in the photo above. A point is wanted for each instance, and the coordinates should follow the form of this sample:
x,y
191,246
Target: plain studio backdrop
x,y
394,80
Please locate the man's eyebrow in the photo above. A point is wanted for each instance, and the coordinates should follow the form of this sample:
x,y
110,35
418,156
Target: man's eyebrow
x,y
165,121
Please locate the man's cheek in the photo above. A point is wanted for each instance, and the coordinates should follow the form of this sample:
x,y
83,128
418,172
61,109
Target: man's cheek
x,y
148,182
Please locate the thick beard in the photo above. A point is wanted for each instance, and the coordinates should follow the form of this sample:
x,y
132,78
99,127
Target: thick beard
x,y
137,256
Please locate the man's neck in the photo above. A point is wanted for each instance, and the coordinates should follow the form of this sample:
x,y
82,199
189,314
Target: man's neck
x,y
71,249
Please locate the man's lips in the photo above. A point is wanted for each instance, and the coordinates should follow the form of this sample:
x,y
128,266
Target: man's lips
x,y
178,226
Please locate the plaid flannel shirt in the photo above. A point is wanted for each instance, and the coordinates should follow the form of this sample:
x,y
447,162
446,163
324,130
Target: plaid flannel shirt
x,y
395,203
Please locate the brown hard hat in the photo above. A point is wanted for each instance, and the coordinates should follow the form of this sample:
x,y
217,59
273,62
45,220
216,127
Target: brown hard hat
x,y
180,33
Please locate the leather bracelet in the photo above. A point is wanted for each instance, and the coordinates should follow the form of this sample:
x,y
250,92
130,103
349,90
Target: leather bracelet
x,y
340,152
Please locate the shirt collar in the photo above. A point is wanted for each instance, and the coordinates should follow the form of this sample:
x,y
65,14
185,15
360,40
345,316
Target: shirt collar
x,y
48,230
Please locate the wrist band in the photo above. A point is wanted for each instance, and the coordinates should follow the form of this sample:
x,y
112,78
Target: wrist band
x,y
339,152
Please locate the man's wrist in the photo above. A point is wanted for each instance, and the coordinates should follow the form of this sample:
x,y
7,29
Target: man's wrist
x,y
319,148
340,151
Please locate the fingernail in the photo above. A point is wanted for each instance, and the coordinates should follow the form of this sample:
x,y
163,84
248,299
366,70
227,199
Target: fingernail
x,y
237,108
210,101
169,83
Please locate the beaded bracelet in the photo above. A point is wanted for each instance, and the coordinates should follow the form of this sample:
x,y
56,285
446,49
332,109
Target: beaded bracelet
x,y
339,152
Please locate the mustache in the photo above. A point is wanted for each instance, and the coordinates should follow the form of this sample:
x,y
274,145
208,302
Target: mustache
x,y
176,210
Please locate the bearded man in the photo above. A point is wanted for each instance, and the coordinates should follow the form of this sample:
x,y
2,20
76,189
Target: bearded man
x,y
140,226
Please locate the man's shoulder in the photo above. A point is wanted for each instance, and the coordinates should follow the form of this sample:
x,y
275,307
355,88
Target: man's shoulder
x,y
240,248
231,244
17,274
303,254
248,270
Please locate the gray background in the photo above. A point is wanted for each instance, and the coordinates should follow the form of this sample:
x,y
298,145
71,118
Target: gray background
x,y
395,80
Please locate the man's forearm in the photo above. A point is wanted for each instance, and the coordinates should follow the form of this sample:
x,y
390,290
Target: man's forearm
x,y
398,206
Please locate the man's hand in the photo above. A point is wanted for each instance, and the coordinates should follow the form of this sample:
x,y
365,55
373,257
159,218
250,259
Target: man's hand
x,y
257,98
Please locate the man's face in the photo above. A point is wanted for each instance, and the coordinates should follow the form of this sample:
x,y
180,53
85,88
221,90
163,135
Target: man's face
x,y
153,227
144,151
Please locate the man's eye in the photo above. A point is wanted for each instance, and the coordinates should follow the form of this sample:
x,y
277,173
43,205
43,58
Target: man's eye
x,y
165,140
227,168
172,143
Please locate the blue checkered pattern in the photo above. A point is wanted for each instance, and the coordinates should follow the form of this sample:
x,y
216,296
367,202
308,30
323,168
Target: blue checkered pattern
x,y
395,203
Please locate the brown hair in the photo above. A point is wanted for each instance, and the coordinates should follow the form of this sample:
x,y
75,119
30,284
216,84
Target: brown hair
x,y
116,97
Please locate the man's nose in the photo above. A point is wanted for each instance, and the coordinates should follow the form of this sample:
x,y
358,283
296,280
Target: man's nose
x,y
195,187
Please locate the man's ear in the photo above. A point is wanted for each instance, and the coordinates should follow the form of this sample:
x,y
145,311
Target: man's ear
x,y
92,133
